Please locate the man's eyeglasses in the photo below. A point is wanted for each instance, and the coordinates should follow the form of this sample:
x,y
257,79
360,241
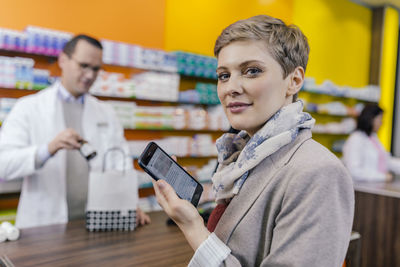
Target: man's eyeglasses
x,y
86,67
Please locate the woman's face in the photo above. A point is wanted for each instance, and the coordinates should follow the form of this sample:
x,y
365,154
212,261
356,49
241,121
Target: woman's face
x,y
377,123
251,87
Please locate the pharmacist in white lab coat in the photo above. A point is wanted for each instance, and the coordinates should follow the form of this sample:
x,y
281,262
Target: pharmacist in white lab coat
x,y
41,138
363,153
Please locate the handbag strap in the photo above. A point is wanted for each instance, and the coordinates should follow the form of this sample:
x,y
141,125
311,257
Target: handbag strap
x,y
118,149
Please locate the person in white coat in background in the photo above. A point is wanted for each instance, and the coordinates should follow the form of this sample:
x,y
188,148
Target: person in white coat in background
x,y
42,135
363,153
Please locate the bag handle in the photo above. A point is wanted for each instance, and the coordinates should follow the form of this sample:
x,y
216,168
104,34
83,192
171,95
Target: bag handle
x,y
114,149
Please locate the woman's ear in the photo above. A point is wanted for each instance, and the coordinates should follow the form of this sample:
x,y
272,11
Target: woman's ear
x,y
296,79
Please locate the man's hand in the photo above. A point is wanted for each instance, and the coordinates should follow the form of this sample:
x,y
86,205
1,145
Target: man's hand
x,y
142,218
67,139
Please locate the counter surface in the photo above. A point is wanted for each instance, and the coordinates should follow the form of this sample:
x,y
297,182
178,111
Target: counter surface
x,y
391,189
70,244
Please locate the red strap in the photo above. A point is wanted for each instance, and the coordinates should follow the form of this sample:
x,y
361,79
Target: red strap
x,y
215,216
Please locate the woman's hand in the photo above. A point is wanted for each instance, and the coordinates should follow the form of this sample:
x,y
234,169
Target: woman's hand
x,y
182,212
388,177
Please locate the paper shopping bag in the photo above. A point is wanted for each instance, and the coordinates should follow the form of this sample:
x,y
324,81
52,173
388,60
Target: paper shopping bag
x,y
112,199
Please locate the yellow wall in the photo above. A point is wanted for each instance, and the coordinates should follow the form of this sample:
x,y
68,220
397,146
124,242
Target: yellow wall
x,y
388,73
339,33
133,21
194,25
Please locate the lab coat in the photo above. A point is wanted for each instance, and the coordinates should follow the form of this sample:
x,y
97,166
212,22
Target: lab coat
x,y
361,157
35,120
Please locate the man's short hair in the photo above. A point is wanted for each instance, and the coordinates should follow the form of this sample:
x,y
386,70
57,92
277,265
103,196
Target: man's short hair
x,y
69,47
287,44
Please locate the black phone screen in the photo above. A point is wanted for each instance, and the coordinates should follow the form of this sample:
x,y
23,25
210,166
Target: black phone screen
x,y
165,168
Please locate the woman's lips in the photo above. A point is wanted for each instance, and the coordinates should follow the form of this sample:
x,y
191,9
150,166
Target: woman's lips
x,y
237,107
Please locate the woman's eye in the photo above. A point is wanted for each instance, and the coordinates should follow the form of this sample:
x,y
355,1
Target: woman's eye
x,y
252,71
223,76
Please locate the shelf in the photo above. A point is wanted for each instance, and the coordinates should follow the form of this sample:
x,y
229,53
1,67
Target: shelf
x,y
141,102
17,93
333,134
54,58
9,200
149,185
129,133
197,78
146,191
176,130
330,114
337,96
150,102
13,53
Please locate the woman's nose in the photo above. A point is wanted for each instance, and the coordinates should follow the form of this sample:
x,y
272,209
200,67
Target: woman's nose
x,y
234,86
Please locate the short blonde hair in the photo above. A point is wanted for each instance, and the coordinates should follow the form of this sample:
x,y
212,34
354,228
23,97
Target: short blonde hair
x,y
287,44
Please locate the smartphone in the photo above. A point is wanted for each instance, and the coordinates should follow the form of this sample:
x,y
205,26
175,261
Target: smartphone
x,y
159,165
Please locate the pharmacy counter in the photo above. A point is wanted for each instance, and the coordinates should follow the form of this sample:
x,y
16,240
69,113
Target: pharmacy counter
x,y
377,219
391,189
70,244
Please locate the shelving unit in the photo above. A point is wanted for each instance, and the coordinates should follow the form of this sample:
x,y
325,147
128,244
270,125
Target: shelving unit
x,y
335,95
328,138
186,82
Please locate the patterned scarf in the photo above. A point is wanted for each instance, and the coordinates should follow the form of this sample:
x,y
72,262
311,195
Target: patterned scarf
x,y
238,153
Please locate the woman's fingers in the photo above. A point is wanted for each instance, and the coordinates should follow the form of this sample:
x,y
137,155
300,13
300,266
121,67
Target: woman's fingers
x,y
157,190
160,196
170,202
166,195
167,191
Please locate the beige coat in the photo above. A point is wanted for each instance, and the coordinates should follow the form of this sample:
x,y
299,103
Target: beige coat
x,y
295,209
